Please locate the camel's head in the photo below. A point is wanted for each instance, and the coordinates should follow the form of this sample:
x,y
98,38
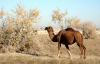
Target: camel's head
x,y
49,29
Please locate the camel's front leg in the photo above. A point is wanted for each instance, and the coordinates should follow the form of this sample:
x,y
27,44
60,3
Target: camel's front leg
x,y
68,51
69,54
59,46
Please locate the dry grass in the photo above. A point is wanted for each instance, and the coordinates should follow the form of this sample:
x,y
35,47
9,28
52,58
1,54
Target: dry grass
x,y
44,51
16,37
89,30
17,58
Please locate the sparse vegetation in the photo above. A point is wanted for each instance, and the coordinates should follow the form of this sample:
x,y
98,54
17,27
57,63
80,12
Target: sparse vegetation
x,y
73,22
16,30
59,16
61,19
89,30
21,45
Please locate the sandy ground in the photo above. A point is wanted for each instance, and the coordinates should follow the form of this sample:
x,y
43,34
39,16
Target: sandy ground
x,y
49,53
19,58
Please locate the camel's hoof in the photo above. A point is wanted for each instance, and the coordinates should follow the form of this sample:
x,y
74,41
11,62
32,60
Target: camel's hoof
x,y
84,57
80,57
57,57
71,58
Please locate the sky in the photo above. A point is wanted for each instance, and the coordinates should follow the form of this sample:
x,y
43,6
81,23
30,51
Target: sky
x,y
85,10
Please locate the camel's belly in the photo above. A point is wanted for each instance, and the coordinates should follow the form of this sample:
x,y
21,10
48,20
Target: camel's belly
x,y
67,43
67,40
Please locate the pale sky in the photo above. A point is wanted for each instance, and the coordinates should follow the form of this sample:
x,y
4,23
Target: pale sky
x,y
86,10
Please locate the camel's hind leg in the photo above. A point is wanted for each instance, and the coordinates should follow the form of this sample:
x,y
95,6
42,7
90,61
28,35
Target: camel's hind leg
x,y
84,51
81,49
68,51
79,42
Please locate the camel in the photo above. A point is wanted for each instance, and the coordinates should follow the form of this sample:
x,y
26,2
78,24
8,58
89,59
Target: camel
x,y
67,37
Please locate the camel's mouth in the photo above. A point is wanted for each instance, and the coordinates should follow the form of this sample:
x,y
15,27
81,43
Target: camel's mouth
x,y
45,28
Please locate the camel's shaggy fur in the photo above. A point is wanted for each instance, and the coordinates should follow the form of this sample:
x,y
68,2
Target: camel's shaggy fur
x,y
67,37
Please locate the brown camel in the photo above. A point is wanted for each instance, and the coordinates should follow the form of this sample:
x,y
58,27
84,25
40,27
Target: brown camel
x,y
67,37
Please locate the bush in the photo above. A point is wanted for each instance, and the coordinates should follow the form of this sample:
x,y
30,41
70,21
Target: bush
x,y
89,30
16,31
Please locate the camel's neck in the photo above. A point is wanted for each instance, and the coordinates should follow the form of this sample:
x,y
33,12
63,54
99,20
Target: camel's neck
x,y
53,37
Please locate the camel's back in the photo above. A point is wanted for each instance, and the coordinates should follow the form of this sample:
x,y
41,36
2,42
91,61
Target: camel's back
x,y
70,29
64,32
76,33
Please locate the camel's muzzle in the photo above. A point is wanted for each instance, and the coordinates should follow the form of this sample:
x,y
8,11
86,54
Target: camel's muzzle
x,y
46,28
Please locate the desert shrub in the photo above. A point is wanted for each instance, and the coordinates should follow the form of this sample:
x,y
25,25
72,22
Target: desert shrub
x,y
58,17
89,30
73,22
16,30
